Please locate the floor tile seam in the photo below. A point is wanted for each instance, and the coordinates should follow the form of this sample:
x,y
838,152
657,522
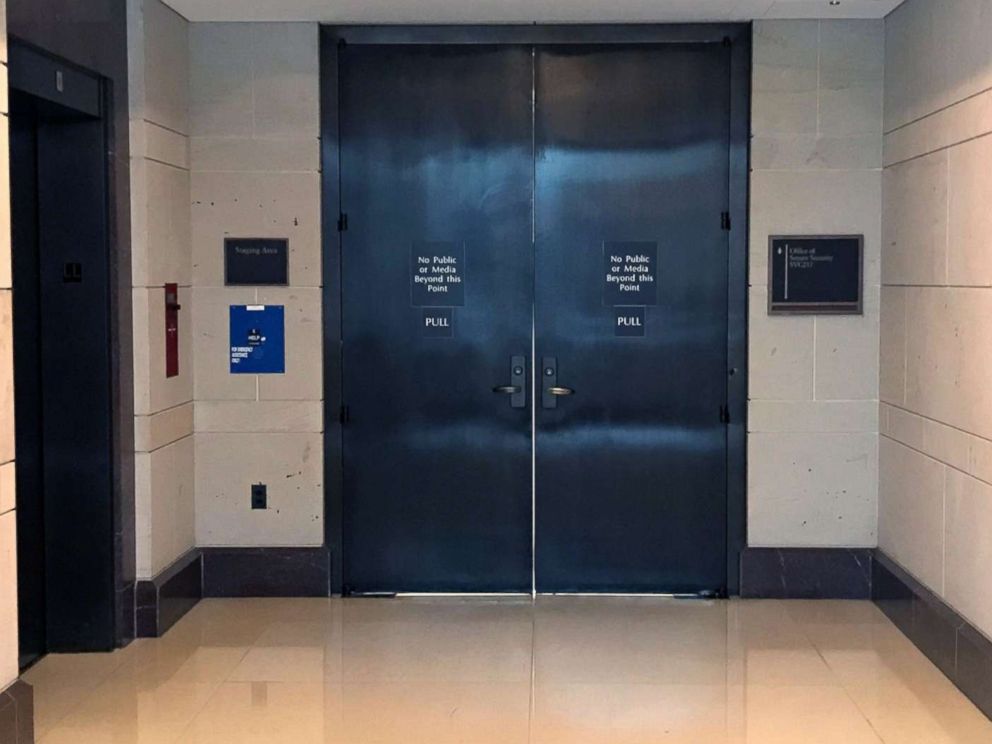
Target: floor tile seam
x,y
844,687
214,687
532,697
206,701
244,654
213,693
410,681
91,691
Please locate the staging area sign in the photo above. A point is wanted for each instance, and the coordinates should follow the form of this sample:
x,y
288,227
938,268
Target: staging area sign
x,y
256,261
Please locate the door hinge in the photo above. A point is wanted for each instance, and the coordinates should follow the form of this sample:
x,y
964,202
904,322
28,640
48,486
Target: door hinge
x,y
345,414
342,222
725,220
724,415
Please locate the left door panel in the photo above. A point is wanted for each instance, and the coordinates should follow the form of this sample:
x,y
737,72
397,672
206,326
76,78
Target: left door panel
x,y
437,275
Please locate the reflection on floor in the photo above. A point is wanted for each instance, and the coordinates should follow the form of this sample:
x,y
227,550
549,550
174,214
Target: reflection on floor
x,y
569,670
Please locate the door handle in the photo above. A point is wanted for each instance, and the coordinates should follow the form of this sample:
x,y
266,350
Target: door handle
x,y
551,391
516,389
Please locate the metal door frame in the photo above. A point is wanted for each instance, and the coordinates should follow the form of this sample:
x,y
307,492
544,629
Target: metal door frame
x,y
736,35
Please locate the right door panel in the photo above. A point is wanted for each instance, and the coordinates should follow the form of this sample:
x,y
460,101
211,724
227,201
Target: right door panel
x,y
632,157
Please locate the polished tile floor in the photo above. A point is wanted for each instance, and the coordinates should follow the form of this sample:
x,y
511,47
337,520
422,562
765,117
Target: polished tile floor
x,y
559,670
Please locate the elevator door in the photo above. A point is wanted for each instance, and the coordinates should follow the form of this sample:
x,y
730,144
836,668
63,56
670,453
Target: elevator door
x,y
632,157
62,357
437,273
32,639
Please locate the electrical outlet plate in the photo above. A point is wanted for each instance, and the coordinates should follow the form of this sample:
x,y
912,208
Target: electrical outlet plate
x,y
259,496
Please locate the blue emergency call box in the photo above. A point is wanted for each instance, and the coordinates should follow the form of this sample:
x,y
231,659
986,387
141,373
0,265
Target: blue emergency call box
x,y
258,340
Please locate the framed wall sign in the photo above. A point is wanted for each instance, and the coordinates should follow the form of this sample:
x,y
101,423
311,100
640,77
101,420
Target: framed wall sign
x,y
256,261
437,274
630,274
816,275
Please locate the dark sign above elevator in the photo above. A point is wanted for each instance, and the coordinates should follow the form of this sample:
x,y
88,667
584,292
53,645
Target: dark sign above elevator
x,y
815,275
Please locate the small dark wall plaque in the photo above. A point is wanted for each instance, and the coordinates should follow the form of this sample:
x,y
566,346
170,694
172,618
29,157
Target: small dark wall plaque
x,y
630,274
437,274
815,275
438,322
256,261
628,321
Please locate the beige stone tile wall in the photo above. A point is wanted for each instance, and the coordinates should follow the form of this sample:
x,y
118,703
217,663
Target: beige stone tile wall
x,y
8,599
254,123
935,502
158,41
255,162
816,169
8,500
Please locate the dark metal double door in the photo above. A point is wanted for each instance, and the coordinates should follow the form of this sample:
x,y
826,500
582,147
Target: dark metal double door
x,y
534,317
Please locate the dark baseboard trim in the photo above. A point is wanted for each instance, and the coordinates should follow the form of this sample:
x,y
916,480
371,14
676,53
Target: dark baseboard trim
x,y
161,601
266,572
955,646
806,573
17,714
125,606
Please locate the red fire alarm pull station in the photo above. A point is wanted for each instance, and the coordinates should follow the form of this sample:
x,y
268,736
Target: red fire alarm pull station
x,y
171,330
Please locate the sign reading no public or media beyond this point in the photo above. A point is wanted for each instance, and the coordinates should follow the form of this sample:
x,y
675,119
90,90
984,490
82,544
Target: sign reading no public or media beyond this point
x,y
437,274
630,274
815,275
